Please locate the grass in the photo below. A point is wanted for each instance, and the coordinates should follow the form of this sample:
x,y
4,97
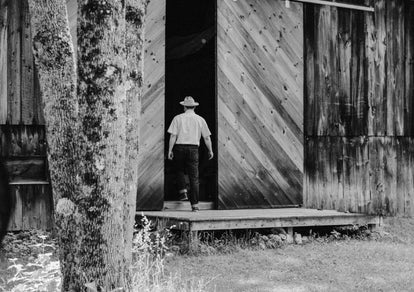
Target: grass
x,y
28,262
358,261
382,264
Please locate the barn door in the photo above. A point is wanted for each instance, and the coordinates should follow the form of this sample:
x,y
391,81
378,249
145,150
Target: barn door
x,y
151,158
260,103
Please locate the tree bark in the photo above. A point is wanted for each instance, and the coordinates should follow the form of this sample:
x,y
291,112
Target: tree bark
x,y
53,52
92,131
134,43
102,108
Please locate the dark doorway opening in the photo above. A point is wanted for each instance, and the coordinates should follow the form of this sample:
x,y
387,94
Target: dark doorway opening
x,y
191,70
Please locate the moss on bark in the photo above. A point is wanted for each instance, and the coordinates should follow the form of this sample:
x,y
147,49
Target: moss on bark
x,y
54,57
92,129
134,45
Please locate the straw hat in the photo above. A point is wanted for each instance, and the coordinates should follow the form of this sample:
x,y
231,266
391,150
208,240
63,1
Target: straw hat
x,y
189,101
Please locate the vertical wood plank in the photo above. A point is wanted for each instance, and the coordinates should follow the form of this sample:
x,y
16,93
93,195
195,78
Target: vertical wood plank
x,y
328,186
349,174
29,207
358,73
365,177
404,186
395,67
311,106
361,166
16,218
409,71
310,172
321,174
377,168
47,209
344,63
338,160
3,60
27,68
390,175
409,195
323,83
14,54
39,118
332,73
376,59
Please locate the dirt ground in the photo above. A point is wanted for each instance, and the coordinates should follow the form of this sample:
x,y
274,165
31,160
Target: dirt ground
x,y
384,264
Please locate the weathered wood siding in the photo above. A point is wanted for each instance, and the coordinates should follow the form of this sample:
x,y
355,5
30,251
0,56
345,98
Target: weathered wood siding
x,y
359,108
23,149
22,132
19,90
260,103
151,147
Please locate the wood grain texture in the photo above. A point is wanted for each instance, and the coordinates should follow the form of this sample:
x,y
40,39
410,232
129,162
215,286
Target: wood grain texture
x,y
22,141
356,64
38,105
20,101
16,217
336,99
409,70
27,68
256,218
26,169
376,78
33,208
3,60
395,67
14,68
372,175
260,104
357,145
151,149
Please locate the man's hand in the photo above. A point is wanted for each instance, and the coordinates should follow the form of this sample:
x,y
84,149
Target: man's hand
x,y
210,155
170,155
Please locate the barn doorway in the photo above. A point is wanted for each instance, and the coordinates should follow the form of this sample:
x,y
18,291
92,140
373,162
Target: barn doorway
x,y
191,70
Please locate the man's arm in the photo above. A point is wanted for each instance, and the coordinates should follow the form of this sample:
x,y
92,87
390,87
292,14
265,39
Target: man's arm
x,y
207,141
173,139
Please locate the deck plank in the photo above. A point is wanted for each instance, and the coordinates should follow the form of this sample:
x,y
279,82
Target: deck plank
x,y
258,218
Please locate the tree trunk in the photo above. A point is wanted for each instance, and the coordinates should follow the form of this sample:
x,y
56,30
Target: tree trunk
x,y
92,130
134,43
55,63
102,107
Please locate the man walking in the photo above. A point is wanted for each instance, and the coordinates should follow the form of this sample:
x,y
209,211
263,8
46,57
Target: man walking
x,y
186,130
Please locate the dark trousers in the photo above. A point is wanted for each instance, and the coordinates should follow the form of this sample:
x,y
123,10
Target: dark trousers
x,y
186,161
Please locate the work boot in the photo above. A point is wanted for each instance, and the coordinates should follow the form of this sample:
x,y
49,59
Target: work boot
x,y
183,196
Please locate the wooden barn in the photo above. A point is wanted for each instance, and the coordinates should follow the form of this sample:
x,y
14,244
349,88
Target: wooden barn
x,y
310,103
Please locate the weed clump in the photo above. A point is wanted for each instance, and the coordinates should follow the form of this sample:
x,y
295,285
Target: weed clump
x,y
34,266
41,271
231,241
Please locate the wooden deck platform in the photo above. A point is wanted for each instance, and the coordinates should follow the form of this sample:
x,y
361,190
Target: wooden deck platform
x,y
257,218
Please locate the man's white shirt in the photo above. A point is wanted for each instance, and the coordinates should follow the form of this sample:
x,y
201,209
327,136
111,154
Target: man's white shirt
x,y
189,127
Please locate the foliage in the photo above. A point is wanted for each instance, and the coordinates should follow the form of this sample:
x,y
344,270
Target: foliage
x,y
40,274
152,249
148,270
